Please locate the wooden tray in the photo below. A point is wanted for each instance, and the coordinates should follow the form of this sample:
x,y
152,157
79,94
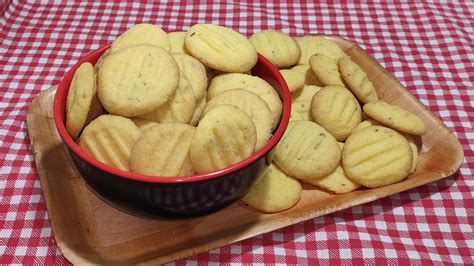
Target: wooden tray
x,y
87,230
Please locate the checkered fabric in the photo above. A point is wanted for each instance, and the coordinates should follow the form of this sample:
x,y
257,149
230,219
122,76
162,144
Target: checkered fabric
x,y
427,46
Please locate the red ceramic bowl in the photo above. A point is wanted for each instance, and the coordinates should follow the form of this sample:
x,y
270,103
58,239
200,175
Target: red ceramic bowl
x,y
171,196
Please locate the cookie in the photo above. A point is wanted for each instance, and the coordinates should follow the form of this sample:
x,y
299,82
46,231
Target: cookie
x,y
311,45
274,192
307,151
366,123
294,79
163,150
225,135
301,102
109,139
414,149
395,117
194,71
252,105
143,124
376,156
337,110
82,104
141,34
253,84
337,182
200,105
137,80
177,41
310,78
357,81
180,108
276,46
326,70
220,48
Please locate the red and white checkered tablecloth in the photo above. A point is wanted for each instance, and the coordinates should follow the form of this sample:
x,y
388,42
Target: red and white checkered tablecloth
x,y
427,46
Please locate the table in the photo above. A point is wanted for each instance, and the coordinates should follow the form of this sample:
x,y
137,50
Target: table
x,y
427,46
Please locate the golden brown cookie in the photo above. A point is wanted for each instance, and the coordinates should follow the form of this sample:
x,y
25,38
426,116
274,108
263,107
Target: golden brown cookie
x,y
307,151
109,139
276,46
141,34
310,78
301,102
376,156
326,70
252,105
311,45
137,80
180,108
225,135
357,81
177,41
220,48
163,150
253,84
395,117
82,104
274,192
294,79
194,71
337,110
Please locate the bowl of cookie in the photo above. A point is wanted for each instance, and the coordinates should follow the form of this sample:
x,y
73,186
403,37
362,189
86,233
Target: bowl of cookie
x,y
173,124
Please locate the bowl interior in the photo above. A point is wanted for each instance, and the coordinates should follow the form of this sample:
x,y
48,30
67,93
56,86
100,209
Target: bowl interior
x,y
264,69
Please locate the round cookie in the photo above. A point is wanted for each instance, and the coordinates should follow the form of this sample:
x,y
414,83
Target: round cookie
x,y
310,78
252,105
301,102
414,150
177,41
137,80
220,48
82,104
163,150
376,156
337,110
337,182
294,79
311,45
180,108
109,139
225,135
278,47
395,117
141,34
274,192
357,81
194,71
307,151
253,84
326,70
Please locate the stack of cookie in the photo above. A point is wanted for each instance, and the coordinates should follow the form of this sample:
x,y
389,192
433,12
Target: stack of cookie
x,y
332,142
150,105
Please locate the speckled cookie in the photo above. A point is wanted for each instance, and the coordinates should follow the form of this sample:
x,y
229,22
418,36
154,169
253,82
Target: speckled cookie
x,y
326,70
137,80
194,71
357,81
177,41
141,34
294,80
376,156
301,102
311,45
307,151
220,48
278,47
395,117
337,110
